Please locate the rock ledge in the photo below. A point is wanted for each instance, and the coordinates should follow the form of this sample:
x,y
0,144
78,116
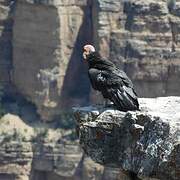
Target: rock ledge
x,y
145,142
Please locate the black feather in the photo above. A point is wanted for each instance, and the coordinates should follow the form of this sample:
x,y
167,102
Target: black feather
x,y
112,82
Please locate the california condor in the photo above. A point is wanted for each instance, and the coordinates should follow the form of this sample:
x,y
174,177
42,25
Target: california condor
x,y
112,82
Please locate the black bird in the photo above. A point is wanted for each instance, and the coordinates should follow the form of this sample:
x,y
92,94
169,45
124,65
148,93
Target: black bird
x,y
112,82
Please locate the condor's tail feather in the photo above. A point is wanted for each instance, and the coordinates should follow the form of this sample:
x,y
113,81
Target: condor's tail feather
x,y
124,99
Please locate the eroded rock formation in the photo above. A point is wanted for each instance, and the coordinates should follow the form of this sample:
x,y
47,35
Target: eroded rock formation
x,y
145,142
41,61
41,44
36,151
142,38
48,53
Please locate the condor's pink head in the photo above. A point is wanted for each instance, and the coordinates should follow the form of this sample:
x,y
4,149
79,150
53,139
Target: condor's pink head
x,y
88,49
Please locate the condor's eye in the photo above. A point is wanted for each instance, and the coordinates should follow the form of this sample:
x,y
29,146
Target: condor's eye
x,y
85,50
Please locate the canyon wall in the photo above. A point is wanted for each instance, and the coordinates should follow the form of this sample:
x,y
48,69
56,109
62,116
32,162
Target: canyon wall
x,y
35,151
41,61
41,48
48,53
142,38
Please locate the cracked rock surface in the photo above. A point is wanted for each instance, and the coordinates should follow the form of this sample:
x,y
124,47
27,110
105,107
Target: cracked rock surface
x,y
145,142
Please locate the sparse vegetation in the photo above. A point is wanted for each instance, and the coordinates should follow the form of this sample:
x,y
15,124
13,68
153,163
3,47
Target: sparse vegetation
x,y
65,120
15,135
73,135
25,130
5,138
41,134
147,39
2,111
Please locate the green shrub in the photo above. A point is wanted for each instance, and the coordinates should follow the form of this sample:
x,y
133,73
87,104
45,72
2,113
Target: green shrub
x,y
73,136
17,136
25,130
41,134
5,137
65,120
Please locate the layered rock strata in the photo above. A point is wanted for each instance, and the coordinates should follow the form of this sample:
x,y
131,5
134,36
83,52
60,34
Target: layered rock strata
x,y
141,37
36,151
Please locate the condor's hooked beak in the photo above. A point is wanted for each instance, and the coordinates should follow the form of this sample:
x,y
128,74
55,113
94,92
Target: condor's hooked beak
x,y
85,53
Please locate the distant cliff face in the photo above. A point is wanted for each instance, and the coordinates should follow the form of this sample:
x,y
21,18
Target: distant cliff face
x,y
47,43
34,152
142,38
41,47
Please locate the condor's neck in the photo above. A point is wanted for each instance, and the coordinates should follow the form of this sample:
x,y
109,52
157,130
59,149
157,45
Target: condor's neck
x,y
94,59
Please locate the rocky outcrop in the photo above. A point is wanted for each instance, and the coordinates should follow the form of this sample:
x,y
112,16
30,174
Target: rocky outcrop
x,y
145,142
